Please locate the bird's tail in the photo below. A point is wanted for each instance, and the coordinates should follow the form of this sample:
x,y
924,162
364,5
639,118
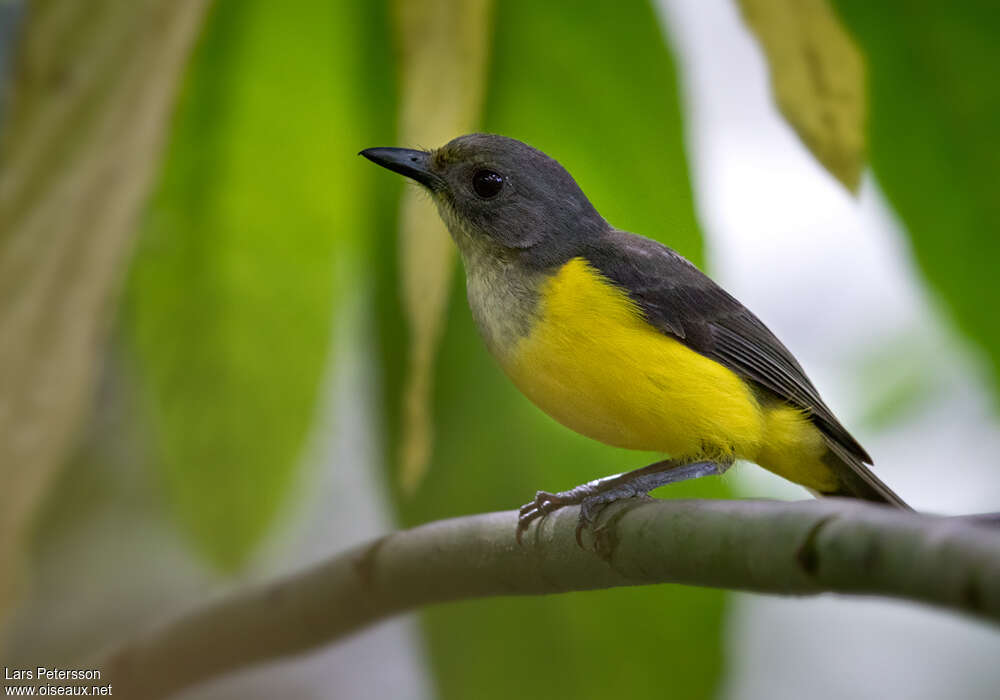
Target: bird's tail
x,y
856,480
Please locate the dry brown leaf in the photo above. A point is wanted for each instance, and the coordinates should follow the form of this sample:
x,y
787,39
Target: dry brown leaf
x,y
80,144
443,46
818,79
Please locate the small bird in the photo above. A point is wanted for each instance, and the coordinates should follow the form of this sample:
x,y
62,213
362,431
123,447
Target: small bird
x,y
620,338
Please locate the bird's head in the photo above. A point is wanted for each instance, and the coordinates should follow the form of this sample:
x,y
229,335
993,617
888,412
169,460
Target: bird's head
x,y
498,191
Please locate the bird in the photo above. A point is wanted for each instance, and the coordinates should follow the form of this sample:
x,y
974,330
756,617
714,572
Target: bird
x,y
620,338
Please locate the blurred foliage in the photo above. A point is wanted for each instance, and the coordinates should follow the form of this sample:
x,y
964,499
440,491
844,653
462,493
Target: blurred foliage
x,y
935,106
818,79
85,99
264,221
899,379
493,448
248,248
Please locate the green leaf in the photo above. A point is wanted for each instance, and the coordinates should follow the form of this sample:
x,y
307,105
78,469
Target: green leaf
x,y
935,101
596,89
262,211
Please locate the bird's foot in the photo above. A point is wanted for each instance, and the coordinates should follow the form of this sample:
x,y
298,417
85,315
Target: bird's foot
x,y
593,496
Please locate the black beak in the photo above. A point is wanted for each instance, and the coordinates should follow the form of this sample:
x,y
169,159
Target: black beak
x,y
405,161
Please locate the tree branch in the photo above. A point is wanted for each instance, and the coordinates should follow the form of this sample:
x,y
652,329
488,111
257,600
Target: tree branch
x,y
798,548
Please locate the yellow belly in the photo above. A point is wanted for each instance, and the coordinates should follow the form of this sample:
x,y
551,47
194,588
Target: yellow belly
x,y
593,363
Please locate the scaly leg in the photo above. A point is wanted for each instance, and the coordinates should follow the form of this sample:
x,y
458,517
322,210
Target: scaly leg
x,y
594,495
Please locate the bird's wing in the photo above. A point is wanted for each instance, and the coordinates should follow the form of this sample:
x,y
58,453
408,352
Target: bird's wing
x,y
681,301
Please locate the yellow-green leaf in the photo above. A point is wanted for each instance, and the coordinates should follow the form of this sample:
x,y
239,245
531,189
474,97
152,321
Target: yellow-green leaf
x,y
443,47
818,79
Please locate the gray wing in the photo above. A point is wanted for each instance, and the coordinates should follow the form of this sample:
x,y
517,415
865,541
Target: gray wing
x,y
683,302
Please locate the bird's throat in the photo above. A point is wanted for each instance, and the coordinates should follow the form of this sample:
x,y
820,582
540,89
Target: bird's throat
x,y
503,297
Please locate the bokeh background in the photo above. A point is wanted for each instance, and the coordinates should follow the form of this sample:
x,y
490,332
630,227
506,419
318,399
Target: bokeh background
x,y
230,348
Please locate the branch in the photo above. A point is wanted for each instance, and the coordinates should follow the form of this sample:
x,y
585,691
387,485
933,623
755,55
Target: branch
x,y
798,548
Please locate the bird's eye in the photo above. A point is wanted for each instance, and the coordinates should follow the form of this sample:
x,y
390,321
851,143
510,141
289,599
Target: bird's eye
x,y
487,183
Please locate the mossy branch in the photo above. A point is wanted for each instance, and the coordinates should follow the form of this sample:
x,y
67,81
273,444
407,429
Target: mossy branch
x,y
798,548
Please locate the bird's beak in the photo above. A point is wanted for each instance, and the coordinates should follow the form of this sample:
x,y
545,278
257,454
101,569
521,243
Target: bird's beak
x,y
405,161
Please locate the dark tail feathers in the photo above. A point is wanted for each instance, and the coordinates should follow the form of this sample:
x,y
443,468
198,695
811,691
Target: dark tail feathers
x,y
857,480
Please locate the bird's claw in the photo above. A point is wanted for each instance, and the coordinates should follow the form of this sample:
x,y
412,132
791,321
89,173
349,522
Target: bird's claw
x,y
545,502
590,508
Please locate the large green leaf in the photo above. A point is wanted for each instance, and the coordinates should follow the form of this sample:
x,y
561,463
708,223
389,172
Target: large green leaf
x,y
935,106
250,242
594,87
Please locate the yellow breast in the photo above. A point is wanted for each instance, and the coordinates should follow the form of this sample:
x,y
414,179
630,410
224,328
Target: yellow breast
x,y
592,362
